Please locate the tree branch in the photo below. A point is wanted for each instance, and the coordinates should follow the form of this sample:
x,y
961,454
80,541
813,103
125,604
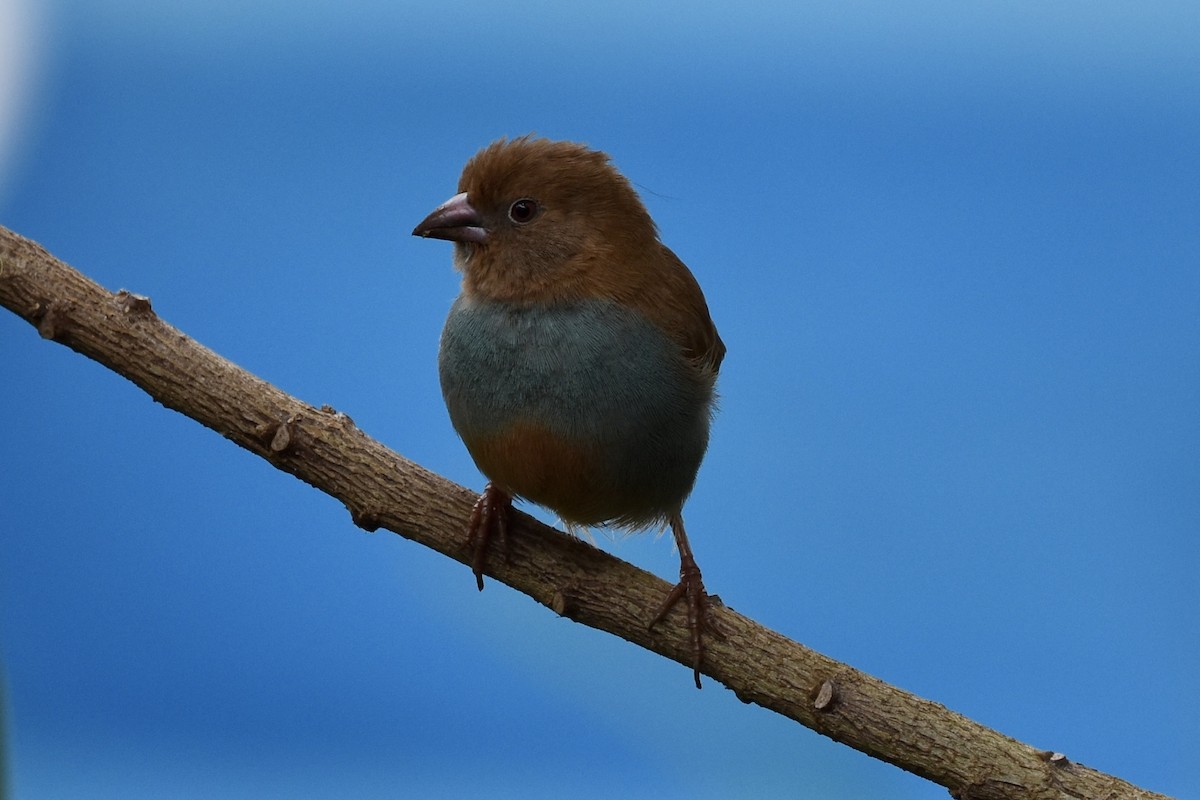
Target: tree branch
x,y
381,489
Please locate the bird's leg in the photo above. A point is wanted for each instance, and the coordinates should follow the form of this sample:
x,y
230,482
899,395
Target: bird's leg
x,y
490,515
690,586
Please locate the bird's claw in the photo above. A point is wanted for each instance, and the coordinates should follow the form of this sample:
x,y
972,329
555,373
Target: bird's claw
x,y
691,588
488,517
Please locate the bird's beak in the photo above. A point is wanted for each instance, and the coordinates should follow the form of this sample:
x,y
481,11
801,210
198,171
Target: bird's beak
x,y
455,220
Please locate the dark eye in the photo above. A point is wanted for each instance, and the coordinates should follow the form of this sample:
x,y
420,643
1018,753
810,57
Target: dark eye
x,y
523,210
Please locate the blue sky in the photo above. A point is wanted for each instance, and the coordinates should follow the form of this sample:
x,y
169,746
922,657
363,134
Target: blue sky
x,y
955,255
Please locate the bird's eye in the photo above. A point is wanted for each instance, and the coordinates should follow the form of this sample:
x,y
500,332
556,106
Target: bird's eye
x,y
523,210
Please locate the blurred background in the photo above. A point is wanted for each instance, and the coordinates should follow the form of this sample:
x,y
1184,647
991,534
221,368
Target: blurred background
x,y
954,251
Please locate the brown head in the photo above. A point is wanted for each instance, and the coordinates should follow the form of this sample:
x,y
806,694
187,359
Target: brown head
x,y
530,211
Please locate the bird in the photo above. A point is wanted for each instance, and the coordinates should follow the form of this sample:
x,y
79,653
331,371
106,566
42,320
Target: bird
x,y
579,362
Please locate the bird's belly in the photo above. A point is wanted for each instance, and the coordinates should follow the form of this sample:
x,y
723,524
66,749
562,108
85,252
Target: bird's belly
x,y
587,408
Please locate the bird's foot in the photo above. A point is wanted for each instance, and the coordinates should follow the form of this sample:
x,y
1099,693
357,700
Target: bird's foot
x,y
489,517
691,589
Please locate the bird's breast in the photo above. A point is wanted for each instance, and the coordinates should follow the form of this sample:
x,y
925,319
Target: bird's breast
x,y
587,408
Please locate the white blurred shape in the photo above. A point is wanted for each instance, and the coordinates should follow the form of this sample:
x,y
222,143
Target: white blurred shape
x,y
20,47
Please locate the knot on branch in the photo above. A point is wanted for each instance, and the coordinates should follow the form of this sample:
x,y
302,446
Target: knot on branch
x,y
281,439
53,318
826,696
565,602
367,519
133,304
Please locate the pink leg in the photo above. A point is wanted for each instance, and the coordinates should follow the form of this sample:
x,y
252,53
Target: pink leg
x,y
690,586
489,516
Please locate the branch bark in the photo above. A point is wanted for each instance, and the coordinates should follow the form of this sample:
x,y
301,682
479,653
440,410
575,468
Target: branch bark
x,y
381,489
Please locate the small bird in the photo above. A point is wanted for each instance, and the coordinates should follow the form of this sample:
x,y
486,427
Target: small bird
x,y
579,362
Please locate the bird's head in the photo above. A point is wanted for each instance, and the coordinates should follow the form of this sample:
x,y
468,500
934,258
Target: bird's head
x,y
533,217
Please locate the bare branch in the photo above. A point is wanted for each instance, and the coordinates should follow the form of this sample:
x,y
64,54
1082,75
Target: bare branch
x,y
384,490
